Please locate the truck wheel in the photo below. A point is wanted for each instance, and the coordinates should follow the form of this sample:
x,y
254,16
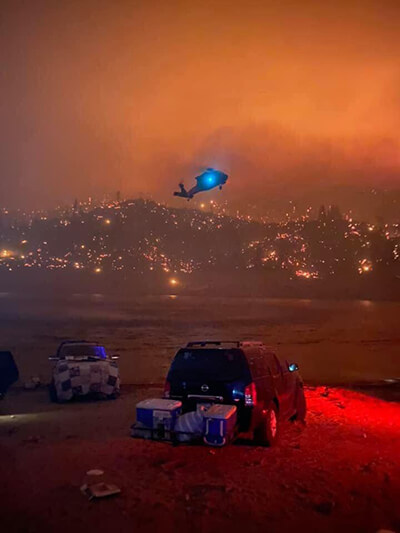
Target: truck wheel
x,y
267,433
301,407
53,392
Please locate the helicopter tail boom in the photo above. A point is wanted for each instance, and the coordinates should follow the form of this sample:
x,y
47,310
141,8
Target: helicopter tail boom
x,y
183,193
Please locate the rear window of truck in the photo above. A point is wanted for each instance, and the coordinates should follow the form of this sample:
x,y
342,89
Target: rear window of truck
x,y
211,364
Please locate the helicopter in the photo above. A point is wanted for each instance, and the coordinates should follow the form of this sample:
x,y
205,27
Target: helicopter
x,y
208,180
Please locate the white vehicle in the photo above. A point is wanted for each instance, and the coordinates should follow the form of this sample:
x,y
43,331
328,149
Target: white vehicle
x,y
83,368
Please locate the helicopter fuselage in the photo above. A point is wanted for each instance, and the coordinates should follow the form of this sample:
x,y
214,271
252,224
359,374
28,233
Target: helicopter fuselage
x,y
206,181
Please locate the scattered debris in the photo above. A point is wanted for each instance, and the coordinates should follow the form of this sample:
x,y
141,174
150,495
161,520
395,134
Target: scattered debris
x,y
99,490
95,472
94,489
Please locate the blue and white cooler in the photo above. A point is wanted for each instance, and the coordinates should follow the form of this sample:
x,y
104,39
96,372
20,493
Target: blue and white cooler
x,y
219,424
156,418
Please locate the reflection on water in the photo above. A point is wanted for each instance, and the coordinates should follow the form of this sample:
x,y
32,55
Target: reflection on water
x,y
367,303
168,307
331,340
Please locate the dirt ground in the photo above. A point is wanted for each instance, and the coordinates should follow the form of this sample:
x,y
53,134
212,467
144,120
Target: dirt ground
x,y
339,473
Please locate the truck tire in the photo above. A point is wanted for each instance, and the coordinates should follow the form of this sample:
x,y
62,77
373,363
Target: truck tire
x,y
53,392
268,432
301,406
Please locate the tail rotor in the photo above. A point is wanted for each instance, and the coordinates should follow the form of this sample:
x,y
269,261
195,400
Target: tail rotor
x,y
183,192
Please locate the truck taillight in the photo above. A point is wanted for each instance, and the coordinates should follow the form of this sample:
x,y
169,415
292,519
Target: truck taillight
x,y
167,389
250,395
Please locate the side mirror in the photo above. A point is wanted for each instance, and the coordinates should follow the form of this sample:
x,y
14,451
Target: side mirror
x,y
115,357
53,358
293,367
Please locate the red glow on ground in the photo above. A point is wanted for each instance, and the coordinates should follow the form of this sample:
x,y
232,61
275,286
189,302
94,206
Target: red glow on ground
x,y
356,410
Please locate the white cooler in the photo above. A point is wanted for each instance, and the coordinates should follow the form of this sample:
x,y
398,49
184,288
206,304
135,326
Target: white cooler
x,y
219,424
156,418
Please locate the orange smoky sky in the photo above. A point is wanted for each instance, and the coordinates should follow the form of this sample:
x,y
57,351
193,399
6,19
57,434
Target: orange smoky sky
x,y
98,96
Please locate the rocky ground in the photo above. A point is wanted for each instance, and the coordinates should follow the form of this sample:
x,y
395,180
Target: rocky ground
x,y
339,473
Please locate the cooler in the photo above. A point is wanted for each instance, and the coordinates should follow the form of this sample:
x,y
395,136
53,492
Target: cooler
x,y
219,424
155,418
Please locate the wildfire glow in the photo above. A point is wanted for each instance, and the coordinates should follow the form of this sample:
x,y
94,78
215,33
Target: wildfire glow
x,y
306,274
6,253
365,266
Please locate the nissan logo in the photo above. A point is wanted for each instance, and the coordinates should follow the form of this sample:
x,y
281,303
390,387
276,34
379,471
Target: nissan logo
x,y
204,388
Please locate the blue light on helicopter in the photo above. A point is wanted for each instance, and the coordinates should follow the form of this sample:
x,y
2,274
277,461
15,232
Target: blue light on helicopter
x,y
211,179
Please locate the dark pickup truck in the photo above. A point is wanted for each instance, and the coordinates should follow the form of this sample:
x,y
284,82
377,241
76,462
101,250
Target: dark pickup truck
x,y
248,375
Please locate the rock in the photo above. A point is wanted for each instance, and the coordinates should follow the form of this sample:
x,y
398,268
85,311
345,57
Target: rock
x,y
34,383
173,465
324,507
386,477
257,462
32,438
302,488
367,467
160,462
